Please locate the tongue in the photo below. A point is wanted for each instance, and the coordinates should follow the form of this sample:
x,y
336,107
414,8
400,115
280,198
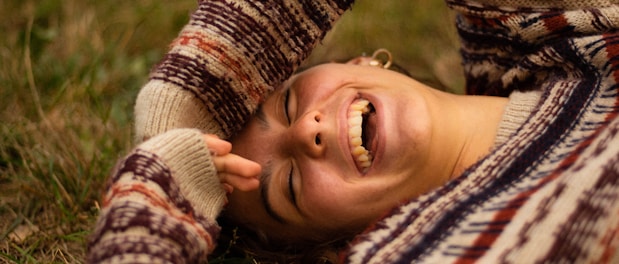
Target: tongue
x,y
369,132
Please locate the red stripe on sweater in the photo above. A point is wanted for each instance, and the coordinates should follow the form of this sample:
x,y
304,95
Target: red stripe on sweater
x,y
555,23
161,202
487,237
207,45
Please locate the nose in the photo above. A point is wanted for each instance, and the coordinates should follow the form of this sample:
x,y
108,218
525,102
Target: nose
x,y
306,135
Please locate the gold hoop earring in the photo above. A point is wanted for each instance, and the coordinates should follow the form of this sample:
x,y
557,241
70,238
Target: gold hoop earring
x,y
377,62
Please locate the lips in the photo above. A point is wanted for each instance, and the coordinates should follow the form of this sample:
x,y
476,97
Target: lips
x,y
361,133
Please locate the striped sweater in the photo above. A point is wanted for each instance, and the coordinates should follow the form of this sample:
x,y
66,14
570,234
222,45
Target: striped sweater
x,y
546,193
550,192
163,198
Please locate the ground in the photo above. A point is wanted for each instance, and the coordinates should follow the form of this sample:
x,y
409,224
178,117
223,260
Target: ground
x,y
69,73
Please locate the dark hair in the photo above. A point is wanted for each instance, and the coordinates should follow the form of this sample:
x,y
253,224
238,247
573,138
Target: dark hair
x,y
240,244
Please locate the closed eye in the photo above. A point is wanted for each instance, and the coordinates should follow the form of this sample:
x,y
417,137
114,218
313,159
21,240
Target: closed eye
x,y
293,197
285,105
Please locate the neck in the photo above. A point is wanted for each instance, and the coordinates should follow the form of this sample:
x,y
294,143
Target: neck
x,y
470,127
483,115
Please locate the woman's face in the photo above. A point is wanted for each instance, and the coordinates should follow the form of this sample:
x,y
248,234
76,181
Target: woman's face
x,y
339,146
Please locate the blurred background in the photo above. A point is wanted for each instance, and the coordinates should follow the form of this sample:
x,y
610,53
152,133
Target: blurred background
x,y
69,74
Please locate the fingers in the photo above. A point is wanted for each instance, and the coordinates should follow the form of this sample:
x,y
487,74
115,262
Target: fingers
x,y
234,171
232,181
237,165
227,187
216,145
238,172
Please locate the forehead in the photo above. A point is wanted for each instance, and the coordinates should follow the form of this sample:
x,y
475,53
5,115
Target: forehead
x,y
317,74
247,209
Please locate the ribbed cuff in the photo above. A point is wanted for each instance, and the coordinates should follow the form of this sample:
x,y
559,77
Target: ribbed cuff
x,y
518,110
185,152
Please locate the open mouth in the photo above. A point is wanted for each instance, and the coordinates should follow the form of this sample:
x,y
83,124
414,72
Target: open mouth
x,y
361,132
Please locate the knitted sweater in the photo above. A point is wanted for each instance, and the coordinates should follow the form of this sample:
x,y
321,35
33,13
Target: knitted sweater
x,y
547,192
550,192
163,198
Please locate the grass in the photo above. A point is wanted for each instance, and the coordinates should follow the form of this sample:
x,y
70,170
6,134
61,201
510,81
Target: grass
x,y
69,74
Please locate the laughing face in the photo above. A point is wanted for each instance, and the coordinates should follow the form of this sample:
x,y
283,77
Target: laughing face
x,y
339,146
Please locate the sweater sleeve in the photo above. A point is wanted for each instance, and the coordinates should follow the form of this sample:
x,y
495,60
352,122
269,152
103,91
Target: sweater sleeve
x,y
227,59
501,39
161,204
164,197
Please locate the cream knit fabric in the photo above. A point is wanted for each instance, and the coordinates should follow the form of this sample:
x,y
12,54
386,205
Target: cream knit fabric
x,y
163,198
226,60
518,110
549,193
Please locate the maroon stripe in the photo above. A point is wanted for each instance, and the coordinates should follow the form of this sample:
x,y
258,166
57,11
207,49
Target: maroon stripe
x,y
555,21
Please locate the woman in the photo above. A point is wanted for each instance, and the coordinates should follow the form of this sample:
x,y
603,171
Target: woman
x,y
546,192
341,144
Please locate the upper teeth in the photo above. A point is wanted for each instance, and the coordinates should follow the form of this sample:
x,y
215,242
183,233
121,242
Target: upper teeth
x,y
362,156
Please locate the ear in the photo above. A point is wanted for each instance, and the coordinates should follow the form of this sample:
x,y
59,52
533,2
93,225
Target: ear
x,y
361,60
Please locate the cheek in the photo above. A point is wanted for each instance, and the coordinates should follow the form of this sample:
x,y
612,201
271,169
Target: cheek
x,y
409,139
323,192
341,204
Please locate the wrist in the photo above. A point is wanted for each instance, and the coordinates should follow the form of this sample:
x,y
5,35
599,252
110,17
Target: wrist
x,y
189,160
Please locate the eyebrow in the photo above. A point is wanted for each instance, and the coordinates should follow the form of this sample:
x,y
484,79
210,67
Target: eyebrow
x,y
265,179
262,119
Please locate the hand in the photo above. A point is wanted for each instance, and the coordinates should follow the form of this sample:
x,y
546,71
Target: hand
x,y
234,171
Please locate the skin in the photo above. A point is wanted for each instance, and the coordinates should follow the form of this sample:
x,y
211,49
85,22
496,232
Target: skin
x,y
235,172
425,137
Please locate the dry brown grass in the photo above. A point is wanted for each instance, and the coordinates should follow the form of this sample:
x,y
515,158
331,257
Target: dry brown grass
x,y
69,73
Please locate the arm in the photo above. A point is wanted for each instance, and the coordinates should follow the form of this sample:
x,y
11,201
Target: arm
x,y
164,197
147,215
227,59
